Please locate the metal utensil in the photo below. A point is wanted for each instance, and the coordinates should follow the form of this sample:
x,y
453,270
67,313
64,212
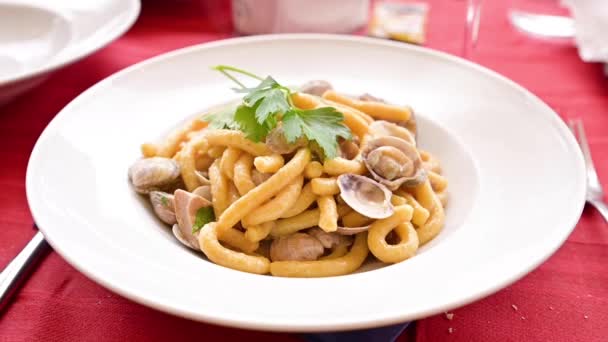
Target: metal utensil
x,y
543,26
16,270
595,193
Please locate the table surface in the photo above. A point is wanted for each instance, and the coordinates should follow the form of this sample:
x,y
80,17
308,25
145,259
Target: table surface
x,y
566,298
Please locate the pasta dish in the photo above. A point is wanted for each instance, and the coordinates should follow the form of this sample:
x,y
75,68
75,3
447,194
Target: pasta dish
x,y
304,182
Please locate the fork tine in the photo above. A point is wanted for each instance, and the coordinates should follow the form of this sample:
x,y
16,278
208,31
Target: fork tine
x,y
582,140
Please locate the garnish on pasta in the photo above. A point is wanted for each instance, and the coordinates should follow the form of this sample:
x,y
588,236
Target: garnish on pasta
x,y
204,215
269,104
296,183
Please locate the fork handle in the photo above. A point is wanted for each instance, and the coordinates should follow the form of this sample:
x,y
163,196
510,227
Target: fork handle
x,y
15,271
601,207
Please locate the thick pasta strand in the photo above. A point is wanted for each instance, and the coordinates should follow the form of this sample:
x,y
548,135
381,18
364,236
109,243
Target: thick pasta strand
x,y
429,162
339,166
421,214
325,186
304,101
233,193
427,198
170,146
328,213
405,249
219,189
203,162
438,182
187,162
306,198
354,219
242,174
286,226
259,232
237,139
348,109
325,268
398,200
269,164
314,169
237,239
216,151
274,208
354,122
358,125
264,191
338,251
377,110
229,158
221,255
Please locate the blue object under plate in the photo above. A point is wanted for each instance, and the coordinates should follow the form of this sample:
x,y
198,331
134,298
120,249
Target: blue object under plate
x,y
383,334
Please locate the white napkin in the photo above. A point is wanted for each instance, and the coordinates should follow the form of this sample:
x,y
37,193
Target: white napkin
x,y
591,25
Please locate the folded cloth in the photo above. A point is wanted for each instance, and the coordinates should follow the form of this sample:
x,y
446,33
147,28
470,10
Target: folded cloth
x,y
382,334
591,25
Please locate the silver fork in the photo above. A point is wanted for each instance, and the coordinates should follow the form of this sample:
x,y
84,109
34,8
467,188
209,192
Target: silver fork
x,y
595,193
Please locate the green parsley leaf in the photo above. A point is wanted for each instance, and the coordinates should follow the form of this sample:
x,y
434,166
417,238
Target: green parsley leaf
x,y
274,101
245,118
270,102
164,201
270,98
255,94
203,216
223,119
322,125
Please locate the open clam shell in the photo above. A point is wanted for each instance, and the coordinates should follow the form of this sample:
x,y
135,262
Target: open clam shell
x,y
365,196
393,162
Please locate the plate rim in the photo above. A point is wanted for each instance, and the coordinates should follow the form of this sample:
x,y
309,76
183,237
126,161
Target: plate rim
x,y
238,322
134,10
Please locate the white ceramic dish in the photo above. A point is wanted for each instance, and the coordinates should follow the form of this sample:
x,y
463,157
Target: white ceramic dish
x,y
39,36
515,171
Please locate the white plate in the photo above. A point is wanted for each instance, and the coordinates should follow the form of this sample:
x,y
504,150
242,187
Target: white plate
x,y
515,172
39,36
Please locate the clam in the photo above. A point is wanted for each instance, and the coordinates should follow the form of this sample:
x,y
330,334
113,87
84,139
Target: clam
x,y
329,240
365,196
370,97
296,247
316,87
204,191
381,128
352,230
277,142
393,162
203,177
186,206
348,149
178,235
164,206
154,174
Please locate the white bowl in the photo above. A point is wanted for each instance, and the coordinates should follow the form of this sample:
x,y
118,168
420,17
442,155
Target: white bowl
x,y
38,36
515,171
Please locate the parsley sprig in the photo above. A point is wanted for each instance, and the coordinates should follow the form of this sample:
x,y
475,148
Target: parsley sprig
x,y
269,103
204,215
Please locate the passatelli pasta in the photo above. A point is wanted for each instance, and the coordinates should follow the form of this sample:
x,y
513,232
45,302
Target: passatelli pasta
x,y
286,201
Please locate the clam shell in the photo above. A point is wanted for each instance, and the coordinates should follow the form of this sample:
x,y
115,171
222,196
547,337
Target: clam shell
x,y
409,151
365,196
154,174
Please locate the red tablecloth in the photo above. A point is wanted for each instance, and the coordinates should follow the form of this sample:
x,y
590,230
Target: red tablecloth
x,y
565,299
